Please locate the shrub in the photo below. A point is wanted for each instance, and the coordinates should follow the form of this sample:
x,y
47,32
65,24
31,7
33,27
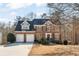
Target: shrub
x,y
44,41
65,42
11,38
58,41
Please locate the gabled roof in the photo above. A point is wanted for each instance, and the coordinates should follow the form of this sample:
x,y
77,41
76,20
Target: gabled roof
x,y
18,26
32,23
25,22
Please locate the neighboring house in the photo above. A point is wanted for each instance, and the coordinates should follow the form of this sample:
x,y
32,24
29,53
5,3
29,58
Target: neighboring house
x,y
0,37
28,31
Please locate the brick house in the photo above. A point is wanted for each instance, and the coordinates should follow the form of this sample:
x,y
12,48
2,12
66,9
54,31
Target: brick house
x,y
28,31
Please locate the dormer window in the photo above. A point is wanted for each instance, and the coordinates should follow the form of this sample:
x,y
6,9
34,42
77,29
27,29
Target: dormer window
x,y
48,25
25,26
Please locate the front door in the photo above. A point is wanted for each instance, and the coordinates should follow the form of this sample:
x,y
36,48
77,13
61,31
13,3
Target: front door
x,y
48,35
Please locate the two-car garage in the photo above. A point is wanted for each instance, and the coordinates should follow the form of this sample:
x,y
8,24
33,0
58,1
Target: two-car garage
x,y
22,37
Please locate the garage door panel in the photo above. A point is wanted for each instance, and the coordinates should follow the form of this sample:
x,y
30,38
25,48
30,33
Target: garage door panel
x,y
19,38
29,37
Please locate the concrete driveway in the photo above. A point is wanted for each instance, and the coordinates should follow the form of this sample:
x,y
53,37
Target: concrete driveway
x,y
15,49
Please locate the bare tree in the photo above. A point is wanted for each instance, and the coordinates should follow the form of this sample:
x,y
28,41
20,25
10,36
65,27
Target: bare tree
x,y
67,14
44,15
61,13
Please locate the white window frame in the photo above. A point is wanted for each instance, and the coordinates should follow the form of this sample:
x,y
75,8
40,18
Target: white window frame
x,y
25,25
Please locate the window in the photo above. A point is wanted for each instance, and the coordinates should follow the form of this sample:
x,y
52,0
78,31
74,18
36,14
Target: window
x,y
48,26
38,27
25,25
57,36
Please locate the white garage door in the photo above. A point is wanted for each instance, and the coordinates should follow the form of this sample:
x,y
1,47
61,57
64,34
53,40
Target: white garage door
x,y
29,37
19,37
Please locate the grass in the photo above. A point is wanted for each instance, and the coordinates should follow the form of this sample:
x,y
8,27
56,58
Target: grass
x,y
54,50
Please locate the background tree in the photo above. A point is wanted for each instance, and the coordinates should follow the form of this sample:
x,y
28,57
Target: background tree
x,y
11,38
65,13
44,16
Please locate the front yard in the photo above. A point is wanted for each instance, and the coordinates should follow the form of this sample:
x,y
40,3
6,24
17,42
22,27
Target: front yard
x,y
22,49
55,50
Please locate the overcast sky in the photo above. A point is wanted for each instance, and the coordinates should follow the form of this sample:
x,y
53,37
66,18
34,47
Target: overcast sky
x,y
8,11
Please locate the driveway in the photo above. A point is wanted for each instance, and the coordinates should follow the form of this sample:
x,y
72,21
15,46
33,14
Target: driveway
x,y
15,49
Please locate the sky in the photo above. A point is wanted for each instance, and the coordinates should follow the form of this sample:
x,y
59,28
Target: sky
x,y
8,11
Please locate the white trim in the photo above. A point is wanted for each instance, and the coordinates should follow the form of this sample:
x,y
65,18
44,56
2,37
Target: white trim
x,y
24,31
48,22
25,22
39,25
35,26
